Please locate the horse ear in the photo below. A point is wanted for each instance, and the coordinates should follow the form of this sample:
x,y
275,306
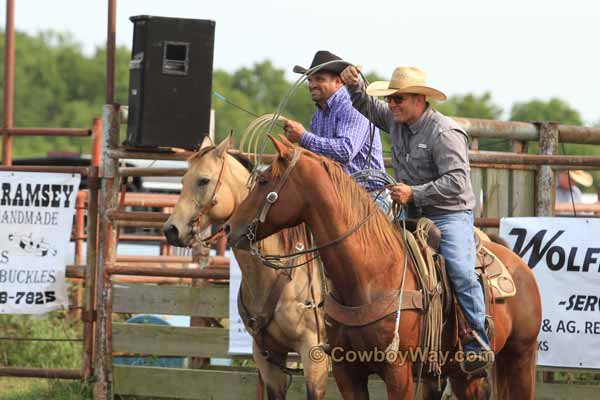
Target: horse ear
x,y
282,150
224,146
206,141
286,141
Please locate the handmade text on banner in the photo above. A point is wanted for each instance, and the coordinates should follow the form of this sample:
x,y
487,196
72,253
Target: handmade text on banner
x,y
36,217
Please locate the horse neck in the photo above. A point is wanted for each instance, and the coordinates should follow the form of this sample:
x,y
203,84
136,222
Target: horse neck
x,y
358,272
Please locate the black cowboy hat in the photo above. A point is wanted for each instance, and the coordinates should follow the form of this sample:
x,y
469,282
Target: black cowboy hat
x,y
323,56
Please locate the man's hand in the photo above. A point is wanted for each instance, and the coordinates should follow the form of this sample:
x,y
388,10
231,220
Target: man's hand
x,y
401,193
350,75
293,130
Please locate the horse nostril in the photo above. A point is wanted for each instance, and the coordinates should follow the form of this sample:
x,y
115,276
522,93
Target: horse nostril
x,y
227,229
171,233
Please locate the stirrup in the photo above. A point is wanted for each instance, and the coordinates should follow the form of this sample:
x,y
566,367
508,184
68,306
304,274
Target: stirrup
x,y
475,363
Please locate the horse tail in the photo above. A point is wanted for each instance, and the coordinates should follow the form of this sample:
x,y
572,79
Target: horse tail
x,y
510,382
501,383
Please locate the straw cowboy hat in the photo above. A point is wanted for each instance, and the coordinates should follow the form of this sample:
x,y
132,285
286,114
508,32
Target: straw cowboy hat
x,y
581,177
405,80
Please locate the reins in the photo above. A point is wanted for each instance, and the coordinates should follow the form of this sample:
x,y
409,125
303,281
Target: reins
x,y
275,261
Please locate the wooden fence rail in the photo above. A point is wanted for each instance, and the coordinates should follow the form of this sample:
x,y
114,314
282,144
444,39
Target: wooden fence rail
x,y
216,382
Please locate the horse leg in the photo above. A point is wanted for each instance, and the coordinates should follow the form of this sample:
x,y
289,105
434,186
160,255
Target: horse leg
x,y
516,373
352,381
274,377
431,391
398,381
465,388
315,371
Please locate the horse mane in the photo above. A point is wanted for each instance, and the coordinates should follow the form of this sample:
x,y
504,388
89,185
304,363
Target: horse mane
x,y
245,161
354,203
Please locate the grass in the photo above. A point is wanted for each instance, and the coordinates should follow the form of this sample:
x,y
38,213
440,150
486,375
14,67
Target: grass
x,y
29,354
41,354
43,389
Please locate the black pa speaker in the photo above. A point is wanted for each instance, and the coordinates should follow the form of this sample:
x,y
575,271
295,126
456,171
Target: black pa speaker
x,y
170,82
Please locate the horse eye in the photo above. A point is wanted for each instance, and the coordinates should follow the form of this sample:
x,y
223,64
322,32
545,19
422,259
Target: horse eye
x,y
262,180
203,181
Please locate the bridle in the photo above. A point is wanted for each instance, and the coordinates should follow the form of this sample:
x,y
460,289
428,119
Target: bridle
x,y
276,261
204,210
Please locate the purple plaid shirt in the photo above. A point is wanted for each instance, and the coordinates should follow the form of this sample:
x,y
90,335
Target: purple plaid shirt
x,y
341,133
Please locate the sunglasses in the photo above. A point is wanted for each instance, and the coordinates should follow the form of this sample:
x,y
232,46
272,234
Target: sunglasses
x,y
398,99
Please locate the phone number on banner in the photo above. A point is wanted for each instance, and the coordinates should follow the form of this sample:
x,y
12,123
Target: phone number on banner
x,y
27,297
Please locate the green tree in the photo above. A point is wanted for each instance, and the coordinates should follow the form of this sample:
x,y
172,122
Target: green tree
x,y
258,89
475,106
57,86
555,110
470,106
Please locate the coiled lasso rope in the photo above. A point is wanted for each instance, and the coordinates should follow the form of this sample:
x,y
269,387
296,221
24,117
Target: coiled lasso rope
x,y
256,130
264,125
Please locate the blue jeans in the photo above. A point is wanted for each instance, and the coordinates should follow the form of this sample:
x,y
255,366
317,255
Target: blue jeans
x,y
458,248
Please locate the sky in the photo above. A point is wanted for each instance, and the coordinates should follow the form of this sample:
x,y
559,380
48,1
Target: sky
x,y
516,49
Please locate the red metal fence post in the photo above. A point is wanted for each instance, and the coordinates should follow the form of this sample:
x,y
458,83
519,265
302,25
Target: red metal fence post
x,y
9,80
107,253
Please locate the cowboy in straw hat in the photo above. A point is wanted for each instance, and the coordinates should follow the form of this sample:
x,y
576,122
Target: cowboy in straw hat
x,y
337,130
431,163
405,80
567,191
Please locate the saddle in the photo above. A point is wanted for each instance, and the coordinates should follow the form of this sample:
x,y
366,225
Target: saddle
x,y
495,278
424,246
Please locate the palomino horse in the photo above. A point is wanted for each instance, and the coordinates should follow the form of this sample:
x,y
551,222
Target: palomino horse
x,y
214,185
364,259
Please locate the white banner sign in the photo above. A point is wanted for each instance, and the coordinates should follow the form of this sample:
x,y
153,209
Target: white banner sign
x,y
36,216
240,341
564,254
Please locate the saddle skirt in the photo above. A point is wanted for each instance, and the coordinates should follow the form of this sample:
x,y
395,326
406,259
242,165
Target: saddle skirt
x,y
490,267
424,248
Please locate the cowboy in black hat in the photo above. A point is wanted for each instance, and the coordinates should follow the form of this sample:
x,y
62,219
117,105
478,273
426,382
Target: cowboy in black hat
x,y
337,130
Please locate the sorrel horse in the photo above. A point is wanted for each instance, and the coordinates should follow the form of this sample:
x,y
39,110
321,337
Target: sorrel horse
x,y
214,185
364,258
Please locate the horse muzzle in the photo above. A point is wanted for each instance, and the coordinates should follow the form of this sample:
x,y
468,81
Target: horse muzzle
x,y
235,239
172,235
